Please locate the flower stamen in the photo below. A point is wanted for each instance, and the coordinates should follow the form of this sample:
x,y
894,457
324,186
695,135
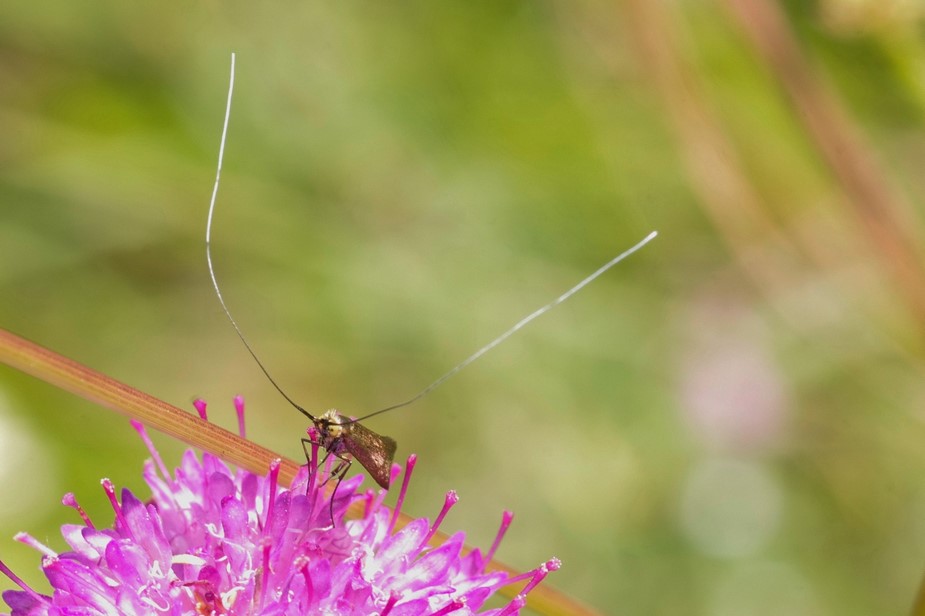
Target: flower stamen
x,y
540,573
393,599
69,500
302,565
271,495
516,604
110,490
19,582
312,488
155,455
451,499
200,405
506,518
34,543
239,410
265,578
409,468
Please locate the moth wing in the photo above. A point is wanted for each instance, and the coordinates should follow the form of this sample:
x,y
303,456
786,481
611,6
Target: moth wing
x,y
374,451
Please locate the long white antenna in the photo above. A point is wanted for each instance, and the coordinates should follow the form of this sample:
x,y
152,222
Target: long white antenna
x,y
521,323
516,327
218,293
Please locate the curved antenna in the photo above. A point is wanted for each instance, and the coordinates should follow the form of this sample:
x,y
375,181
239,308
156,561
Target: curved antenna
x,y
218,293
513,329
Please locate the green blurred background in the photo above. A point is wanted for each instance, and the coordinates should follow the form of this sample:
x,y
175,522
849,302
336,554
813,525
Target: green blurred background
x,y
731,422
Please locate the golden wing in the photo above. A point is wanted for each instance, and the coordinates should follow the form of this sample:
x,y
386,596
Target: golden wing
x,y
374,451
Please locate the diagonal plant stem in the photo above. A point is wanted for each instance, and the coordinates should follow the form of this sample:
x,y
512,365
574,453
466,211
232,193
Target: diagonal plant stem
x,y
891,223
94,386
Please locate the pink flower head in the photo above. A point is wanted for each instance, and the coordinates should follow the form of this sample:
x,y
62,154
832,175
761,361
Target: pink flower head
x,y
216,541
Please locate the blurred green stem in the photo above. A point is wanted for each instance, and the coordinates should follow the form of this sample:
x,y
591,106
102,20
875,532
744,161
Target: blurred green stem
x,y
892,224
94,386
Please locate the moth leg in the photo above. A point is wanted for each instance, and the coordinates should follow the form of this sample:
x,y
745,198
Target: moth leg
x,y
339,471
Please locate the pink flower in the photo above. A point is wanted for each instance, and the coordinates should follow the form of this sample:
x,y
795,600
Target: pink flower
x,y
216,541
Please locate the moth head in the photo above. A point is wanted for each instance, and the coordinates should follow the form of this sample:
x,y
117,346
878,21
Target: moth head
x,y
329,425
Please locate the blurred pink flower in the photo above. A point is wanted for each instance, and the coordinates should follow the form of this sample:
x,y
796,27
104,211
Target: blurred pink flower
x,y
216,541
731,390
